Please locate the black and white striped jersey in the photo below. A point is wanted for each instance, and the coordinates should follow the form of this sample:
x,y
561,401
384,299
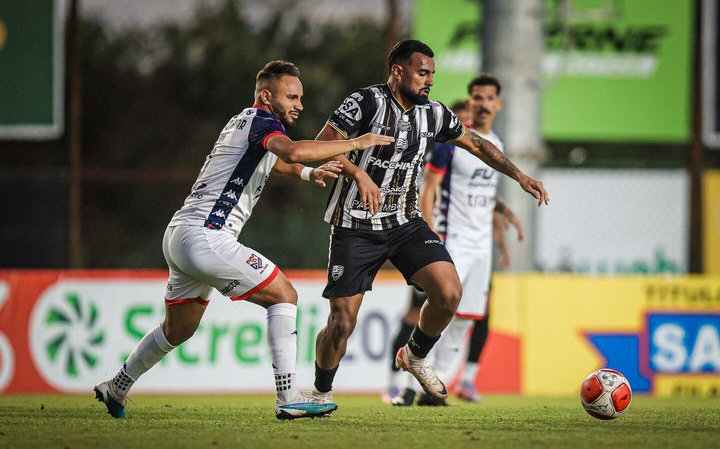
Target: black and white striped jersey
x,y
395,168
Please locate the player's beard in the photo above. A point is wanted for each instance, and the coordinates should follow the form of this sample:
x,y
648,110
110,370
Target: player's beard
x,y
413,97
283,116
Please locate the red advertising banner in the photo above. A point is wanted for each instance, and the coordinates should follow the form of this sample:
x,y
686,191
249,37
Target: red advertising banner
x,y
63,331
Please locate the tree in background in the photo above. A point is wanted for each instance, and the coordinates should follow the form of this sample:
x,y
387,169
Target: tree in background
x,y
156,99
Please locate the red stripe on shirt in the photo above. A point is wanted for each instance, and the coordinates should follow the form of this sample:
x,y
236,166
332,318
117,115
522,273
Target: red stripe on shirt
x,y
274,133
435,169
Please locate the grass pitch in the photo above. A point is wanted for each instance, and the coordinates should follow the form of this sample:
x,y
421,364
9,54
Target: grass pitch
x,y
156,422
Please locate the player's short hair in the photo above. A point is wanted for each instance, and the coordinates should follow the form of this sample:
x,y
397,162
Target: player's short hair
x,y
402,51
458,105
484,79
274,70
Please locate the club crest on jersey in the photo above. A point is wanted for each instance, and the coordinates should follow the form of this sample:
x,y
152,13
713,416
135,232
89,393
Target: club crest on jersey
x,y
255,262
401,144
336,271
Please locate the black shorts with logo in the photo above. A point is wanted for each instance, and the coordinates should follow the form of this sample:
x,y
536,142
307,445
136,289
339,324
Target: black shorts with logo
x,y
356,255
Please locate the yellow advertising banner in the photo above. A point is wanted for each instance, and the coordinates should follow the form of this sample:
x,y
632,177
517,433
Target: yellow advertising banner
x,y
662,333
711,222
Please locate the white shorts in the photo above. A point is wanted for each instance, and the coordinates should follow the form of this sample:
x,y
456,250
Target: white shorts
x,y
201,259
475,269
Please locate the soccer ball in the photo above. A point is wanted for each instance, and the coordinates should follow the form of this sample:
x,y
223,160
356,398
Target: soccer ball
x,y
605,394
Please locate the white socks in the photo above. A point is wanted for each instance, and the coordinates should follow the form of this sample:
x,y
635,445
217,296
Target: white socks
x,y
147,353
470,372
449,351
282,339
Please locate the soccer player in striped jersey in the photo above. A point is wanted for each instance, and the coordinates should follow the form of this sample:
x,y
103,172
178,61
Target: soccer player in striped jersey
x,y
201,244
375,217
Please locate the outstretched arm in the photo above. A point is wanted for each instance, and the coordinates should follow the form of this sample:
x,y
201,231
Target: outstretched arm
x,y
496,159
368,190
316,175
291,151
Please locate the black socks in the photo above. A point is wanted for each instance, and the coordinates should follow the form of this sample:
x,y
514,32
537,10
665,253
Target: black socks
x,y
421,343
324,378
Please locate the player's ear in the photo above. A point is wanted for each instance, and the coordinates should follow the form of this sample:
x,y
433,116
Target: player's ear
x,y
396,71
265,96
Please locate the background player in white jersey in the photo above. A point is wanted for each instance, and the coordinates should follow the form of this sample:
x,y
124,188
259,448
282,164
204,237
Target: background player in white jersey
x,y
463,216
201,242
417,298
375,215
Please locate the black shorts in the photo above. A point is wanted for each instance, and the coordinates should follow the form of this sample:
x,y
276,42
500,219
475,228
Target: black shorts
x,y
356,255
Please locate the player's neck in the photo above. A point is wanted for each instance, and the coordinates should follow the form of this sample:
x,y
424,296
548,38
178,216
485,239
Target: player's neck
x,y
399,97
262,107
485,128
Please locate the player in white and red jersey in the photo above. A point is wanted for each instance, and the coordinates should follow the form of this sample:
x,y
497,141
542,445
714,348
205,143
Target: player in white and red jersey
x,y
459,197
201,242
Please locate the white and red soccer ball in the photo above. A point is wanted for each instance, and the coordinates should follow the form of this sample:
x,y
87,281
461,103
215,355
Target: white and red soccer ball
x,y
605,394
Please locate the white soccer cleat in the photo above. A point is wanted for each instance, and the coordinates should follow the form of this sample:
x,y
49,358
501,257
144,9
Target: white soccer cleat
x,y
105,393
306,405
422,371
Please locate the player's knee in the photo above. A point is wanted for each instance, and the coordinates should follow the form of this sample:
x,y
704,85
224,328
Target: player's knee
x,y
449,297
289,295
342,324
177,333
281,292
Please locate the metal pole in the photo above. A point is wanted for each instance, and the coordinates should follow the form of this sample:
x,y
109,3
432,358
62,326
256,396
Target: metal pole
x,y
696,154
74,136
512,43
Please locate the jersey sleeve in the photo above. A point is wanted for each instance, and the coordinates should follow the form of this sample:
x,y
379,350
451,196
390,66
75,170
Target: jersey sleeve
x,y
440,158
354,113
450,127
263,128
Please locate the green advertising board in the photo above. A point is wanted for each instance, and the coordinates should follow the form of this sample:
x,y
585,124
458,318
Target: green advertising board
x,y
614,71
31,69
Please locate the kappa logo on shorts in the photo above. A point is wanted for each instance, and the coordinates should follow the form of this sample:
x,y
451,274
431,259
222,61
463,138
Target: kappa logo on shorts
x,y
255,262
336,271
433,241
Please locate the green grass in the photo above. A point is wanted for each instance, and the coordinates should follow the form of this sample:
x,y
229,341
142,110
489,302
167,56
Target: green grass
x,y
156,422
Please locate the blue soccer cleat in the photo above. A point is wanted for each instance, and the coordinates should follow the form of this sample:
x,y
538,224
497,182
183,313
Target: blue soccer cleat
x,y
103,393
306,405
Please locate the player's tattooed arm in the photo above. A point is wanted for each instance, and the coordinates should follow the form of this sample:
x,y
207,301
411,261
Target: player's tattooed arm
x,y
488,153
368,190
